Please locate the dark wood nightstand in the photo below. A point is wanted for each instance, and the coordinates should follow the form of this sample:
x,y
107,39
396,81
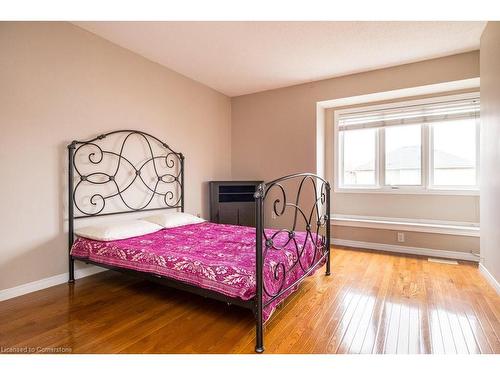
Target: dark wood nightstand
x,y
232,202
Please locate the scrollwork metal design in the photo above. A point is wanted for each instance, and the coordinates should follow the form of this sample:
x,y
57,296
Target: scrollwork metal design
x,y
311,219
171,178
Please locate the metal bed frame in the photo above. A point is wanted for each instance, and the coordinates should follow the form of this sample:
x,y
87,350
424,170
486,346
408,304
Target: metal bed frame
x,y
311,221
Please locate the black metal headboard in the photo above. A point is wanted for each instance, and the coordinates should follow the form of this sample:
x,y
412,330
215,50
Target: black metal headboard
x,y
93,164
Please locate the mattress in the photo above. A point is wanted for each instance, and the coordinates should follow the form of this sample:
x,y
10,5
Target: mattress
x,y
212,256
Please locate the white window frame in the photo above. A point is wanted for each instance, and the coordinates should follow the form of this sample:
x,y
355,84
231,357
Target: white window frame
x,y
431,164
377,163
427,186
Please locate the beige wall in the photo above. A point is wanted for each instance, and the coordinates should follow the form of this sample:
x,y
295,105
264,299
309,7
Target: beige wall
x,y
464,244
432,207
274,133
59,82
490,148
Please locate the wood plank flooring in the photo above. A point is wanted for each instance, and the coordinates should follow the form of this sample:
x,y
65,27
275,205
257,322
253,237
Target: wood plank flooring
x,y
372,303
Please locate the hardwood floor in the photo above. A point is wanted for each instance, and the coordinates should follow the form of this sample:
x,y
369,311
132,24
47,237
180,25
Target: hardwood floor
x,y
372,303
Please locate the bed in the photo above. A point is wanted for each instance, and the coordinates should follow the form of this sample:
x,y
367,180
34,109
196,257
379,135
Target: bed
x,y
251,267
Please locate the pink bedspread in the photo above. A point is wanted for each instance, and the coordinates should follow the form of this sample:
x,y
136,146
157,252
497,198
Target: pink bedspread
x,y
212,256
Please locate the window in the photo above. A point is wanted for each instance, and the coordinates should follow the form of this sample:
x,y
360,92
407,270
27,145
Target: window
x,y
422,146
454,149
359,157
403,156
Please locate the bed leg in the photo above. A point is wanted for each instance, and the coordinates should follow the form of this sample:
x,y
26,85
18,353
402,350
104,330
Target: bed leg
x,y
259,333
327,273
71,270
328,229
259,230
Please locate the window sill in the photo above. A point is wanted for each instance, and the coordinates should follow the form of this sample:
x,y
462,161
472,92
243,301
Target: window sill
x,y
473,192
410,225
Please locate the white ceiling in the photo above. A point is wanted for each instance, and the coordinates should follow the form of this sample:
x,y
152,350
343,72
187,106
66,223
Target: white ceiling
x,y
239,58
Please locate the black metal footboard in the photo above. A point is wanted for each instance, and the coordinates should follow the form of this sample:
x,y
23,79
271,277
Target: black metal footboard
x,y
309,213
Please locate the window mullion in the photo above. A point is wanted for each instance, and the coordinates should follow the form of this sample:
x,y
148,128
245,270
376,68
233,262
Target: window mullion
x,y
425,157
381,158
430,155
340,161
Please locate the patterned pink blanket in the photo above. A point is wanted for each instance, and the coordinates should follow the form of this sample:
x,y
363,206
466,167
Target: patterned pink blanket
x,y
212,256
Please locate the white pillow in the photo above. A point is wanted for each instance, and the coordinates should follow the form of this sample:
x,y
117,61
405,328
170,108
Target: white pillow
x,y
118,230
174,219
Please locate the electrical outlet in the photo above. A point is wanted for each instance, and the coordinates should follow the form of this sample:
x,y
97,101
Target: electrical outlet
x,y
401,237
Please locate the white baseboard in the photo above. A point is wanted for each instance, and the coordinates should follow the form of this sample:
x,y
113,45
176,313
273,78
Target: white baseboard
x,y
47,282
434,253
488,276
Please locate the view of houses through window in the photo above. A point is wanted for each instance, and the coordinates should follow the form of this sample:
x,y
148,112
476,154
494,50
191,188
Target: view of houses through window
x,y
429,148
